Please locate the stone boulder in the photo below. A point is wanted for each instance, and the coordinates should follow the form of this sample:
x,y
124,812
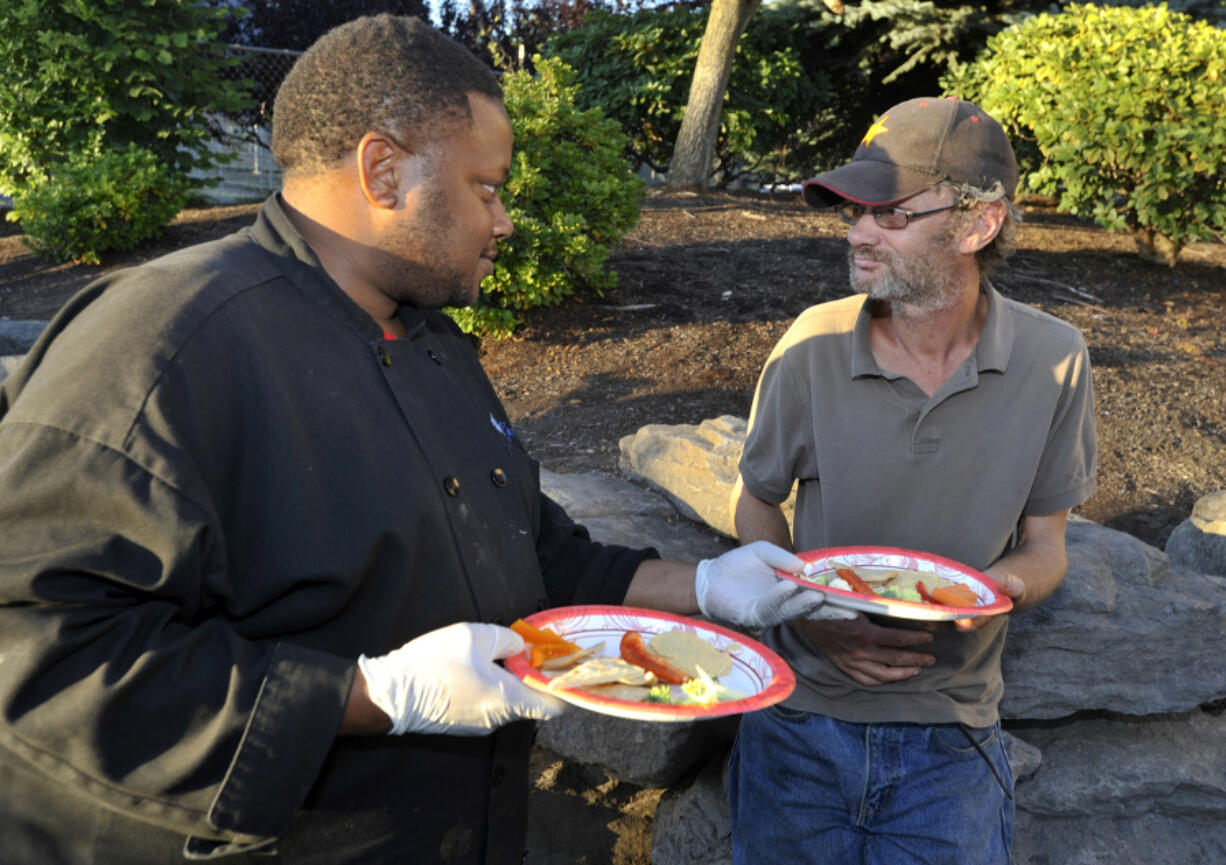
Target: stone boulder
x,y
650,754
1117,634
695,467
693,824
618,512
1199,542
1117,789
16,337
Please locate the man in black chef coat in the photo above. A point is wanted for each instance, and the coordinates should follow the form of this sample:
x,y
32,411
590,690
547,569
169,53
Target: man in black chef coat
x,y
262,507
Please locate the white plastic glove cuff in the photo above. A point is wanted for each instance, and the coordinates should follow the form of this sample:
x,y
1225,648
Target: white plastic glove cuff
x,y
446,682
741,587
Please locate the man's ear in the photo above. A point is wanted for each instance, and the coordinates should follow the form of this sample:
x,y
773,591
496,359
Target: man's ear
x,y
980,231
385,171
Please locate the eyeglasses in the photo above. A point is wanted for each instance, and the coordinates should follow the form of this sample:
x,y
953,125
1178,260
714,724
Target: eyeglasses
x,y
892,218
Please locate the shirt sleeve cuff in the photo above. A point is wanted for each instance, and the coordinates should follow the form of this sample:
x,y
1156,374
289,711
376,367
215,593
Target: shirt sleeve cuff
x,y
289,734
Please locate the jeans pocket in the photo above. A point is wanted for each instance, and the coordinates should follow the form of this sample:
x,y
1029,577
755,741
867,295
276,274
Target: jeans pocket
x,y
960,739
788,716
981,743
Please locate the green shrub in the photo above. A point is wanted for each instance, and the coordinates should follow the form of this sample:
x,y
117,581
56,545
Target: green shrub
x,y
1118,112
87,76
570,195
96,203
639,68
83,79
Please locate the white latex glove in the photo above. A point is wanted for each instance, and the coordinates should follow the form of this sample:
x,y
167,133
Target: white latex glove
x,y
446,681
741,587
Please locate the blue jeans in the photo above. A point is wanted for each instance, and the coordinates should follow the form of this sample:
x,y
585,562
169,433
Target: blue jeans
x,y
809,789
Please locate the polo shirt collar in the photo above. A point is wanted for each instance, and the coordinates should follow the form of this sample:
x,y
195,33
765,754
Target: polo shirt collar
x,y
991,352
996,342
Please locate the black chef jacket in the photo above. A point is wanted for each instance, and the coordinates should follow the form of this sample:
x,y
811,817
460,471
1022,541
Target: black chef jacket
x,y
219,484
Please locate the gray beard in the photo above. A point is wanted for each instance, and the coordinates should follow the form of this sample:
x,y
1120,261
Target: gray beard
x,y
916,287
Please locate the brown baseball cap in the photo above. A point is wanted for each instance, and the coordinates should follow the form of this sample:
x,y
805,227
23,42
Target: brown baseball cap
x,y
915,145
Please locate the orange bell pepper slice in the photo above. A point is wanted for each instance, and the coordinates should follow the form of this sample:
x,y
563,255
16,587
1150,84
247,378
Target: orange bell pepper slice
x,y
543,643
539,636
537,654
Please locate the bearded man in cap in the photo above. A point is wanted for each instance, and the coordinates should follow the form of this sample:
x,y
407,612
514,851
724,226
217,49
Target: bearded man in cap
x,y
928,412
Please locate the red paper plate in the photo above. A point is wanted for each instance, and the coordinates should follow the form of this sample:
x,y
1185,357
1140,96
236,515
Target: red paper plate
x,y
757,672
826,561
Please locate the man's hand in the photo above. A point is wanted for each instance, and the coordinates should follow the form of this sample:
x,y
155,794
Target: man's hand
x,y
870,654
446,681
1008,583
741,587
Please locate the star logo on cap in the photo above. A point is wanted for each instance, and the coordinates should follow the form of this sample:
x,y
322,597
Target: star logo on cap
x,y
876,129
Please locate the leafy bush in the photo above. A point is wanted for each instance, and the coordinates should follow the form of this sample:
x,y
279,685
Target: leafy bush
x,y
570,195
639,68
96,203
1123,110
81,79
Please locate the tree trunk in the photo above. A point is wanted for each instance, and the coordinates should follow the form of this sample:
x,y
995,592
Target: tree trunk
x,y
694,151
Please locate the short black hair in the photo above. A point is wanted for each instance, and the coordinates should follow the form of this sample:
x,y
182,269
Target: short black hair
x,y
393,74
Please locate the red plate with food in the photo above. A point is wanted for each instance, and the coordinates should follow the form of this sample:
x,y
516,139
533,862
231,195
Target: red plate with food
x,y
904,584
743,674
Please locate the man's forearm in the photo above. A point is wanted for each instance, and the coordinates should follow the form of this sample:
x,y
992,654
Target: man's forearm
x,y
659,584
1039,560
756,520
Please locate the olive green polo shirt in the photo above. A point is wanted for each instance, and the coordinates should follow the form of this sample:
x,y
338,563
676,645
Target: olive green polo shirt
x,y
879,462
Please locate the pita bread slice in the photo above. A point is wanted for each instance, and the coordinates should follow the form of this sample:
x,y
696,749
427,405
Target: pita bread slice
x,y
601,671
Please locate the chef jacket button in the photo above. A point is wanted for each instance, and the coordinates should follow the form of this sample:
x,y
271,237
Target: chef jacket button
x,y
452,485
384,357
497,775
499,477
434,357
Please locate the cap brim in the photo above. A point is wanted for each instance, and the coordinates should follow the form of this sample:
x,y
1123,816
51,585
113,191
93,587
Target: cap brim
x,y
866,181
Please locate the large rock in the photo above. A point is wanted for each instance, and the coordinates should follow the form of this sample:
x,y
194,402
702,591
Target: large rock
x,y
16,337
1117,635
1199,542
695,467
618,512
651,754
1119,789
693,825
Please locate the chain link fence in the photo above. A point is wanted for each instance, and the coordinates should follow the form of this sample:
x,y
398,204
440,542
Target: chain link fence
x,y
252,173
